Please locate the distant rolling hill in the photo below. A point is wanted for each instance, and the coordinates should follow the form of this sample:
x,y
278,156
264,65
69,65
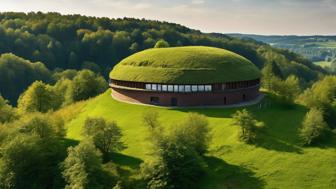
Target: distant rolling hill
x,y
316,48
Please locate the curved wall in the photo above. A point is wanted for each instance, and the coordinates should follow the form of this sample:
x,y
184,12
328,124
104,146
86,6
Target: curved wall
x,y
213,98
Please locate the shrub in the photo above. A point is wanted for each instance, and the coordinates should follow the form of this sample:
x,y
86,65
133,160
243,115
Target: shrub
x,y
249,126
313,126
161,44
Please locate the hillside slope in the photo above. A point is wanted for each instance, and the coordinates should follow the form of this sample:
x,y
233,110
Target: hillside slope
x,y
277,161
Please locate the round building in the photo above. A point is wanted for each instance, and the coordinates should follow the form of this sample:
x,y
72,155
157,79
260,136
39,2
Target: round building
x,y
185,76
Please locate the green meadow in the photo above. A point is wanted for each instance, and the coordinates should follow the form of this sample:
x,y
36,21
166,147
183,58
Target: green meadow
x,y
323,64
276,161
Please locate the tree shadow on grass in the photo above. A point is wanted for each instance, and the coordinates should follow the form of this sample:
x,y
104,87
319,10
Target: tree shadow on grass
x,y
271,143
225,176
125,160
276,135
67,142
328,141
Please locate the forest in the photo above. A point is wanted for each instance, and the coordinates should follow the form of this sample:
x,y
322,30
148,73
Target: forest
x,y
56,133
43,44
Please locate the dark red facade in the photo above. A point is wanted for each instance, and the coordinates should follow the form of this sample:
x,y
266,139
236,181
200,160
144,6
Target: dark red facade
x,y
221,94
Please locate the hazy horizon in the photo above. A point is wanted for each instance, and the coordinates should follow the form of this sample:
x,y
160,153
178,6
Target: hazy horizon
x,y
261,17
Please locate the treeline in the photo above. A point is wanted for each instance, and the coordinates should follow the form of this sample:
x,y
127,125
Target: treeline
x,y
17,74
81,42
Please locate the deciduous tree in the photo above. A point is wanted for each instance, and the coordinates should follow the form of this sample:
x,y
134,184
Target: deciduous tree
x,y
313,126
106,136
39,97
248,124
82,167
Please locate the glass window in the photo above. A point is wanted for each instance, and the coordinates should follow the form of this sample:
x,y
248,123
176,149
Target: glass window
x,y
187,88
170,88
223,86
154,87
194,88
164,88
148,86
208,88
175,88
200,87
181,88
159,87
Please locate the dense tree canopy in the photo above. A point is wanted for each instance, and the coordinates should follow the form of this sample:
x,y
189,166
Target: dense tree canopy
x,y
17,74
74,41
321,94
31,151
7,112
71,86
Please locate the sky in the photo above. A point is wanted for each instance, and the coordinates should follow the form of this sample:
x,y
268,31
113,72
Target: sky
x,y
268,17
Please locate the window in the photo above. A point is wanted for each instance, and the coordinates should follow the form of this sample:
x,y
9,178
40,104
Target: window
x,y
181,88
154,87
175,88
178,88
170,88
154,100
208,87
200,87
148,86
194,88
164,88
187,88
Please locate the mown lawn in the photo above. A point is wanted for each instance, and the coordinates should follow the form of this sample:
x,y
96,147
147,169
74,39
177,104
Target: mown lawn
x,y
276,161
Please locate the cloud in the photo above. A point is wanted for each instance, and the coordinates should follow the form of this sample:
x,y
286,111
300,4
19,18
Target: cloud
x,y
197,2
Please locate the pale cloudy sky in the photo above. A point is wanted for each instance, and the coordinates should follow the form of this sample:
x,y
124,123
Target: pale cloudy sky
x,y
303,17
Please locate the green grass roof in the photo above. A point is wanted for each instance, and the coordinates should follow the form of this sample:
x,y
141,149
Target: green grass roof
x,y
185,65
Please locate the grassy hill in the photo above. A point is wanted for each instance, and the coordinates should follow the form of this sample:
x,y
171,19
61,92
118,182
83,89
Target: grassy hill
x,y
277,161
189,64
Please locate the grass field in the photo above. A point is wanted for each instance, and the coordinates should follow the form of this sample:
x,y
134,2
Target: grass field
x,y
323,64
277,161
